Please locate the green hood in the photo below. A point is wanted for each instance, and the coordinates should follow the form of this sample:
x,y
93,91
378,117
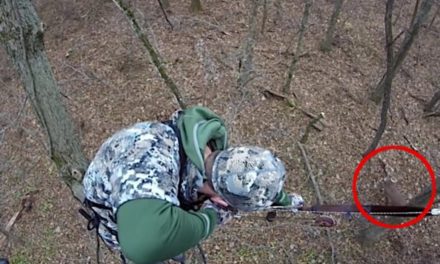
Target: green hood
x,y
199,125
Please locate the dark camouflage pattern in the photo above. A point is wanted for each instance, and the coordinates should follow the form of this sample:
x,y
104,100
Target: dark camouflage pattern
x,y
248,178
192,182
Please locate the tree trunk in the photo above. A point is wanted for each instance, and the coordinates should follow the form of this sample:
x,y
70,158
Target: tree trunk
x,y
326,44
165,4
246,60
410,36
302,29
21,34
388,79
196,6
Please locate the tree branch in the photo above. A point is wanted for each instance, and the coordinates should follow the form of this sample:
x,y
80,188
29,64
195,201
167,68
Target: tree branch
x,y
165,13
326,44
318,195
302,29
154,56
310,173
410,36
309,127
388,77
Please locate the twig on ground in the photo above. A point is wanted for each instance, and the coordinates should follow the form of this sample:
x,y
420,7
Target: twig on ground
x,y
310,172
405,118
409,142
318,195
429,107
202,253
417,98
165,14
304,138
26,205
291,103
214,26
433,114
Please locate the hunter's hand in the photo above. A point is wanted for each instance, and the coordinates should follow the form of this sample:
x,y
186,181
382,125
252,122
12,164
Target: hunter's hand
x,y
223,215
296,201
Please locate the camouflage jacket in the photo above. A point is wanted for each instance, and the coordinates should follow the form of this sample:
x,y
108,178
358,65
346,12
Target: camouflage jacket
x,y
141,161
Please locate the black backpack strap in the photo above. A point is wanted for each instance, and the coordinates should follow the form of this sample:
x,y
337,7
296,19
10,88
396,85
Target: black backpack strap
x,y
94,221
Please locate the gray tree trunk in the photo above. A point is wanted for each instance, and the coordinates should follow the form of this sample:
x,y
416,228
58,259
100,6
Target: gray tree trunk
x,y
326,44
388,79
21,34
196,6
165,4
246,58
302,30
410,36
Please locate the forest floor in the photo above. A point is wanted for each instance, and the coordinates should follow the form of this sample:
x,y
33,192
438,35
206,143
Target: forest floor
x,y
108,83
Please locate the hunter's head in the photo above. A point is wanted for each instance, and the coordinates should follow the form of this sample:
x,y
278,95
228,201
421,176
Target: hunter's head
x,y
247,178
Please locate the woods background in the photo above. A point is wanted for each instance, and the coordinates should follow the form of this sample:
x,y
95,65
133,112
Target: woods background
x,y
270,68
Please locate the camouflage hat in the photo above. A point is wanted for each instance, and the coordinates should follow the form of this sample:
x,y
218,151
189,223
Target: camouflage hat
x,y
248,178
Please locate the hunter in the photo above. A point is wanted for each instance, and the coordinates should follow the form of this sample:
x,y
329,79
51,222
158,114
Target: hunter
x,y
156,189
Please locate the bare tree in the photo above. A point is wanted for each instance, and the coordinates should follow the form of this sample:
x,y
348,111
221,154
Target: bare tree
x,y
21,34
326,44
196,6
410,36
246,60
296,56
388,77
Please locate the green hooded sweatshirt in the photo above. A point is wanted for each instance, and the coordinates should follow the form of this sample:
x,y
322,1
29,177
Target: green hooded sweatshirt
x,y
199,125
151,230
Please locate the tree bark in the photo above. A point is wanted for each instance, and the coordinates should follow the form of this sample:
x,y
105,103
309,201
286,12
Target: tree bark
x,y
196,6
410,36
246,60
302,29
326,44
388,80
21,34
165,4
